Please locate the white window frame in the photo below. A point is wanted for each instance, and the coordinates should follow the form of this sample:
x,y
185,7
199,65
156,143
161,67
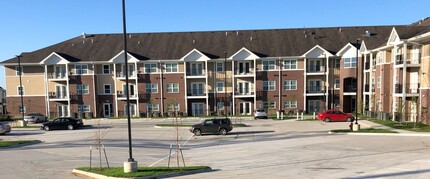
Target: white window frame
x,y
81,68
269,85
337,83
153,68
288,85
173,107
103,69
171,67
153,87
379,82
349,62
290,64
80,89
19,71
220,88
104,89
379,57
172,87
21,110
20,91
290,104
217,66
153,106
269,65
83,108
272,105
337,63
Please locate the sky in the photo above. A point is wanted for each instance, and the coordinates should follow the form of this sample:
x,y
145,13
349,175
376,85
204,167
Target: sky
x,y
27,25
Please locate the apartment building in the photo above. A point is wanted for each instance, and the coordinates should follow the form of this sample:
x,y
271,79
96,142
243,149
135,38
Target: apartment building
x,y
2,101
220,72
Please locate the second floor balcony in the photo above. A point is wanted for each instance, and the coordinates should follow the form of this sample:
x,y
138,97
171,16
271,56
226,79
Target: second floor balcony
x,y
196,92
123,94
315,69
411,88
122,75
58,96
244,92
399,59
57,76
196,72
315,89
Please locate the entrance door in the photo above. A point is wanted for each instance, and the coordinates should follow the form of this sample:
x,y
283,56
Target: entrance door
x,y
62,111
132,110
413,78
107,110
313,106
413,109
245,108
197,109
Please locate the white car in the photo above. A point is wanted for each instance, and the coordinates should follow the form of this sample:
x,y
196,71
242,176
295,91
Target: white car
x,y
260,114
35,117
4,128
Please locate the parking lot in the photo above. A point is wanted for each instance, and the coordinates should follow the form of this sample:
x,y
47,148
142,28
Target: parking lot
x,y
266,148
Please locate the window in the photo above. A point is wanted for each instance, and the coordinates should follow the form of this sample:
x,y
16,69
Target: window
x,y
150,68
20,90
336,83
151,88
83,108
153,107
21,109
350,62
269,65
269,105
82,89
106,69
373,83
290,64
107,89
172,87
171,67
219,66
19,71
290,84
337,63
220,86
379,57
379,82
290,104
81,69
173,107
268,85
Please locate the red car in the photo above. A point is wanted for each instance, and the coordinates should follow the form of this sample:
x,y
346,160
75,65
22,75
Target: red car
x,y
335,115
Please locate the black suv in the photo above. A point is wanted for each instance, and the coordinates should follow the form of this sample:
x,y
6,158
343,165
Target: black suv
x,y
221,126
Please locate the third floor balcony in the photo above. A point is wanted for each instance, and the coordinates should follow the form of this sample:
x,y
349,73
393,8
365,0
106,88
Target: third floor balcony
x,y
411,88
315,69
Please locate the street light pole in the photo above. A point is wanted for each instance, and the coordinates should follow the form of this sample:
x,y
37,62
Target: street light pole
x,y
225,83
21,90
130,165
356,82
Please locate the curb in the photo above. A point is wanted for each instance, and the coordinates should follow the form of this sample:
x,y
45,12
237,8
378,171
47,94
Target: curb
x,y
98,176
383,134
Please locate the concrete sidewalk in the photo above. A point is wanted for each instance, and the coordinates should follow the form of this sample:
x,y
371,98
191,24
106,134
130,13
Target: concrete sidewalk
x,y
400,132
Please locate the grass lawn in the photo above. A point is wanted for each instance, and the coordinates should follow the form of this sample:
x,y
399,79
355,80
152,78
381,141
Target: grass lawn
x,y
142,171
26,127
404,126
12,143
368,130
189,125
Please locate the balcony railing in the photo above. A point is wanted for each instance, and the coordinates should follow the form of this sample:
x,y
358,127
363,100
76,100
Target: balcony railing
x,y
315,89
398,88
349,88
244,72
57,75
196,72
131,74
399,59
367,66
315,69
412,88
244,91
196,92
366,88
414,59
121,94
55,95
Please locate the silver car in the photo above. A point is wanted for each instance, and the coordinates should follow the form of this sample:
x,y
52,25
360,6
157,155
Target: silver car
x,y
4,128
35,117
260,114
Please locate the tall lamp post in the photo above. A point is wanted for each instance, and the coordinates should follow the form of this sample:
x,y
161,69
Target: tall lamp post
x,y
21,91
225,83
356,126
131,164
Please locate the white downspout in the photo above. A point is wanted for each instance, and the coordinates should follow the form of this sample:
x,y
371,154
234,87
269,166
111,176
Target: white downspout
x,y
94,92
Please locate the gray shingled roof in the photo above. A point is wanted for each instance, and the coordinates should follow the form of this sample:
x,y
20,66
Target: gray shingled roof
x,y
265,43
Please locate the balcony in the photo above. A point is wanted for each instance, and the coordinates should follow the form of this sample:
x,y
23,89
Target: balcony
x,y
315,69
367,66
196,72
123,95
58,96
196,92
57,76
315,89
366,88
247,72
121,75
398,88
412,88
244,92
413,59
399,59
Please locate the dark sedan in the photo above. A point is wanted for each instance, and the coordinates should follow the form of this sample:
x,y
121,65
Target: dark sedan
x,y
62,123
